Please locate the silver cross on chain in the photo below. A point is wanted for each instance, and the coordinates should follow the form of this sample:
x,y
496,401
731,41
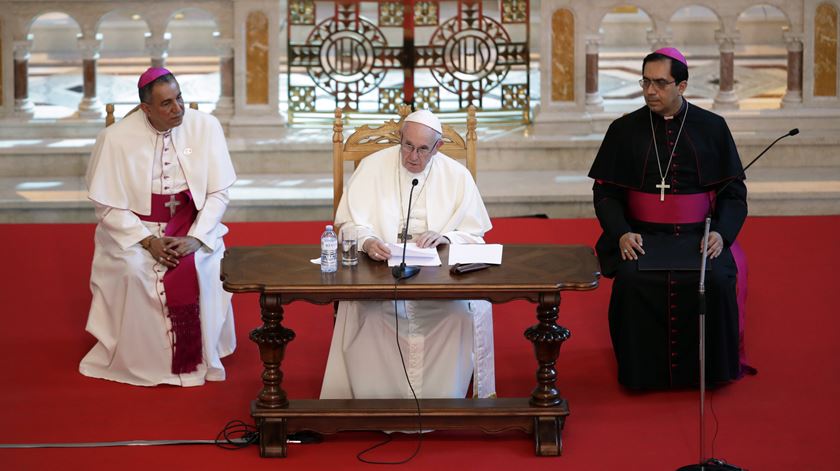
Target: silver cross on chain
x,y
172,204
407,237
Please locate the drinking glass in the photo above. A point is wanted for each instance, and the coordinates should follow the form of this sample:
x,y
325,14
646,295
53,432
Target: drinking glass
x,y
349,246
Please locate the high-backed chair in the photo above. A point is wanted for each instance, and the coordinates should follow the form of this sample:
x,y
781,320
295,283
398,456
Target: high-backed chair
x,y
109,112
366,140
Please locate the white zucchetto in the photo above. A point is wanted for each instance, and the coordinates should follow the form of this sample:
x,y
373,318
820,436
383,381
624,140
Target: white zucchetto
x,y
426,118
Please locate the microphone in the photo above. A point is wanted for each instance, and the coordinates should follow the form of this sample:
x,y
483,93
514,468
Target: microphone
x,y
719,192
403,272
712,464
792,132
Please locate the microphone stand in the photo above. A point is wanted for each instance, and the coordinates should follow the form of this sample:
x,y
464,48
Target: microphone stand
x,y
713,464
403,272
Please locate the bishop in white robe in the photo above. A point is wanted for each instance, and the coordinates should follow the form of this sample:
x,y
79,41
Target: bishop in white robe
x,y
444,344
143,171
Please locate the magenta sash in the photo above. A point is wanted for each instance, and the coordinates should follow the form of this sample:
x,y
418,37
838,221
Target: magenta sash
x,y
180,283
676,209
160,210
685,209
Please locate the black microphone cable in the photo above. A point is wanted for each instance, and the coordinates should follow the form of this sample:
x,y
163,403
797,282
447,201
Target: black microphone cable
x,y
401,272
792,132
390,437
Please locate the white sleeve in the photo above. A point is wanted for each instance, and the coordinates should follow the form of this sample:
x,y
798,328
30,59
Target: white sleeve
x,y
208,219
121,224
343,216
461,237
470,229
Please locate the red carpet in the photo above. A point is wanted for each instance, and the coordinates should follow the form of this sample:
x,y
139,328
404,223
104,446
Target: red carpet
x,y
786,418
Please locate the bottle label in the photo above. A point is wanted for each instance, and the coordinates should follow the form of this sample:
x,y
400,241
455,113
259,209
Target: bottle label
x,y
329,244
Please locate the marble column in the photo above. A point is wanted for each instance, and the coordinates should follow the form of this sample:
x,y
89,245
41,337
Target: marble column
x,y
793,95
563,70
158,50
594,101
224,106
3,68
23,105
726,97
90,106
255,83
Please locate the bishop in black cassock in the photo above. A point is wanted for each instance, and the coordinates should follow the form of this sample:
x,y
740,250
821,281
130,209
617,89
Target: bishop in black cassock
x,y
657,175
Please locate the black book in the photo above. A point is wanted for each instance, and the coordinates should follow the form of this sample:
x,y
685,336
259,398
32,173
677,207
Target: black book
x,y
669,252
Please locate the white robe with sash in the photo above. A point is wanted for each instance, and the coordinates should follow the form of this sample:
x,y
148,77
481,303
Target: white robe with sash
x,y
444,343
128,316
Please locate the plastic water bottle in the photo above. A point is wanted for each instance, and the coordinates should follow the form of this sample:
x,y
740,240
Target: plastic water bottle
x,y
329,250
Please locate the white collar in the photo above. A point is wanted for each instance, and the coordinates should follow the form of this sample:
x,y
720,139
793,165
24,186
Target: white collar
x,y
152,128
408,174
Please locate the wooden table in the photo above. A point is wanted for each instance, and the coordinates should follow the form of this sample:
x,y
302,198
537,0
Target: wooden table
x,y
283,273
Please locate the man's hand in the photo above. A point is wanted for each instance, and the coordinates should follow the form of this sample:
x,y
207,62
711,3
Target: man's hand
x,y
715,244
376,249
431,239
183,246
162,253
630,245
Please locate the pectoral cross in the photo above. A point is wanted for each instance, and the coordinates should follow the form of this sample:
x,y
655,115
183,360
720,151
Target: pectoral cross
x,y
662,187
400,236
172,204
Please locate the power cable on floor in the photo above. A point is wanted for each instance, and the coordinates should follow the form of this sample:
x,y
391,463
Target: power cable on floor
x,y
235,435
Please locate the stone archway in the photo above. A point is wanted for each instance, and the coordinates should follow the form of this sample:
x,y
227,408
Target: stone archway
x,y
194,55
625,31
761,57
55,84
694,31
123,58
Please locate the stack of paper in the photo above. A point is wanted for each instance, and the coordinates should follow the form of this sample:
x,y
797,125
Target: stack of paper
x,y
475,253
414,256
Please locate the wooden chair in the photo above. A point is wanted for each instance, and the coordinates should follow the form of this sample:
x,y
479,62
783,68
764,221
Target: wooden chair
x,y
366,140
109,112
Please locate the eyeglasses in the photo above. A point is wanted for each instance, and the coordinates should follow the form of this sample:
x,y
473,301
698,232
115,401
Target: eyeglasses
x,y
421,151
660,84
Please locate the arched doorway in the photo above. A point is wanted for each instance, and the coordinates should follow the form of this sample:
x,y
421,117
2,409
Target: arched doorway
x,y
625,43
55,66
761,57
123,58
693,31
194,57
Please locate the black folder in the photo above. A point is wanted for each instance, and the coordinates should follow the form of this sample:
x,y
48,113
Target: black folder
x,y
670,252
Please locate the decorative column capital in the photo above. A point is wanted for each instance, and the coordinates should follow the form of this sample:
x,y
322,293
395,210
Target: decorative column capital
x,y
593,43
793,41
225,47
157,48
90,48
727,40
658,41
22,49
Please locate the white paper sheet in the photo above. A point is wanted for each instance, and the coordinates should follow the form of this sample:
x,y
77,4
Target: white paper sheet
x,y
414,256
475,253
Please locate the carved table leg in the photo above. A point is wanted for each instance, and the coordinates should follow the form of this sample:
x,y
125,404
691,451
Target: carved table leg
x,y
547,337
547,435
272,437
272,338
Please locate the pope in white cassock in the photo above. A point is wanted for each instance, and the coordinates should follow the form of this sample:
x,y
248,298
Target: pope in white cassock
x,y
445,343
158,181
